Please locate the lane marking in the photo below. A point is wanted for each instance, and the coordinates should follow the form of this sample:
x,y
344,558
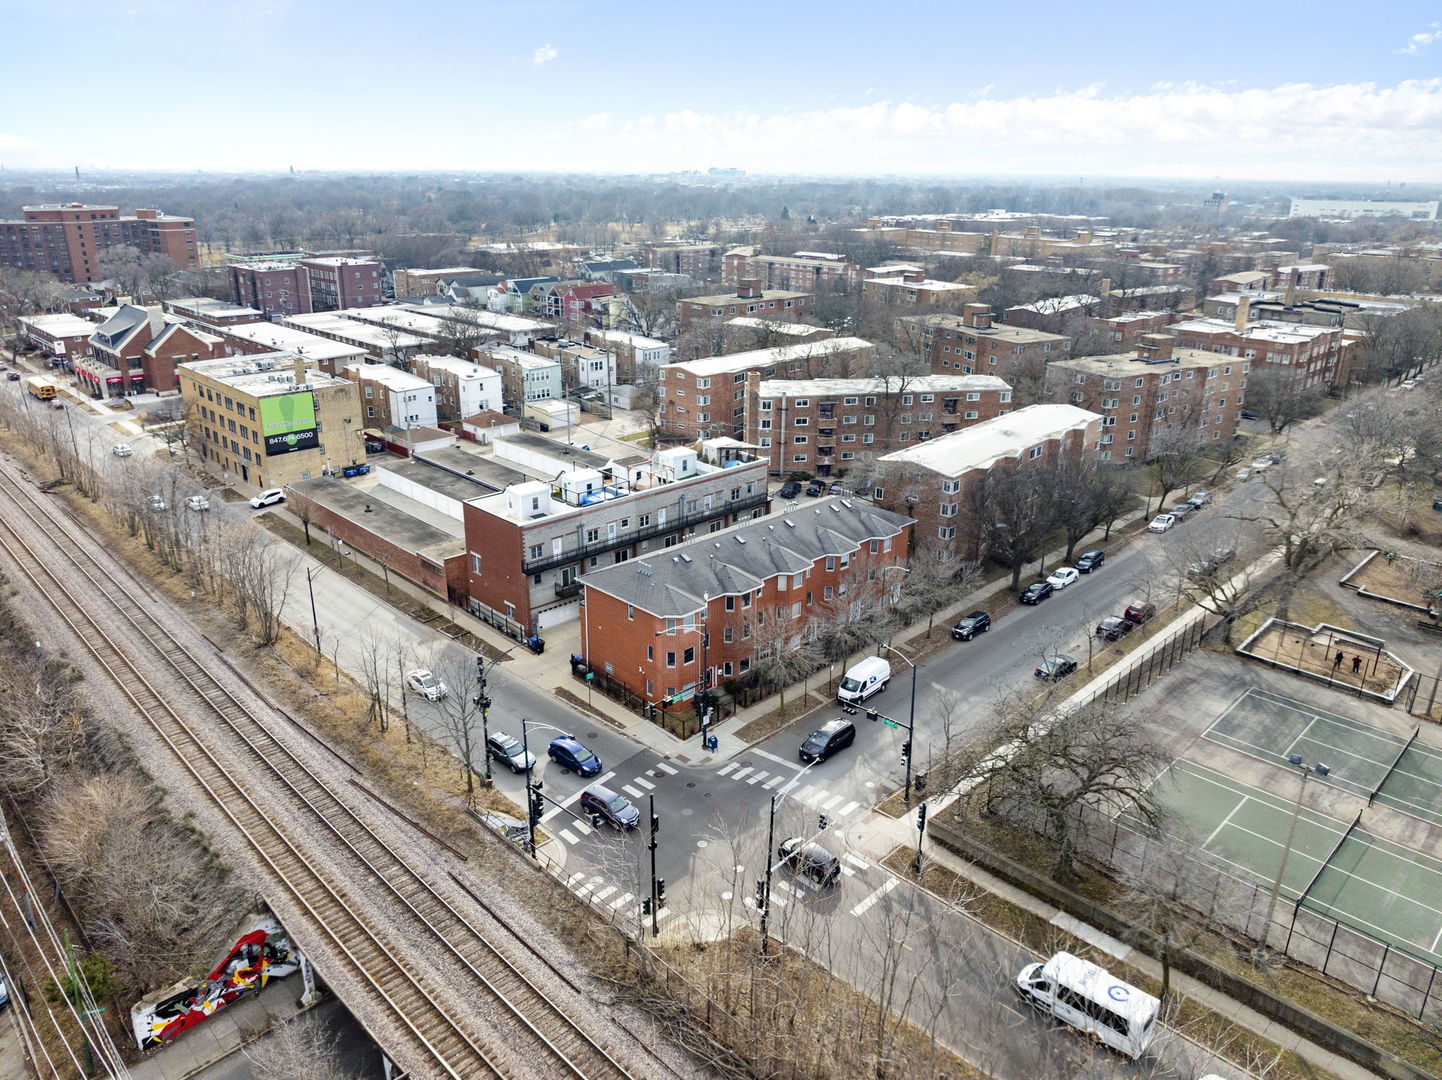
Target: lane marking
x,y
865,905
757,776
775,781
790,764
1224,823
739,773
641,781
581,827
565,835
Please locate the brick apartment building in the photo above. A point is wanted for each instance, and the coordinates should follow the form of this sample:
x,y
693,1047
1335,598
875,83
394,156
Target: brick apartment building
x,y
581,365
212,314
805,271
69,239
1125,330
391,397
382,340
525,376
277,287
268,420
637,357
417,282
1153,390
699,261
820,425
746,333
748,299
936,481
298,283
908,286
581,511
697,615
138,348
971,344
63,335
463,387
702,398
1318,356
339,281
1053,313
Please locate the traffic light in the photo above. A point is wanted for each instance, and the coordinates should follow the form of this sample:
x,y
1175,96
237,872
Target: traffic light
x,y
921,818
655,824
872,715
919,780
905,751
825,821
761,894
538,805
660,892
645,905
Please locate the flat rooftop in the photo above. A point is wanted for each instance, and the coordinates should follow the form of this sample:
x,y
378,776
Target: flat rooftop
x,y
203,306
392,377
781,354
921,384
378,336
489,320
481,469
405,523
569,454
1283,333
1122,365
61,325
981,445
267,373
722,299
284,338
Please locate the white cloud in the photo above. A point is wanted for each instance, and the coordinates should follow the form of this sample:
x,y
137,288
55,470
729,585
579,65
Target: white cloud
x,y
1417,43
544,55
1191,129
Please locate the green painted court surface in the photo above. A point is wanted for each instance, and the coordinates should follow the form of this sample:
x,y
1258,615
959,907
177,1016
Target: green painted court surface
x,y
1271,726
1389,891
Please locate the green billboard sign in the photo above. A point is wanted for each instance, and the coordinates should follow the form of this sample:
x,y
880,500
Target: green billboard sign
x,y
287,422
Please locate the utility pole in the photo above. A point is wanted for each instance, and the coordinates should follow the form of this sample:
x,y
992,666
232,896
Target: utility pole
x,y
314,622
763,887
658,887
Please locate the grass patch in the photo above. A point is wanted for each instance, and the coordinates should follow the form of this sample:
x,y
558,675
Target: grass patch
x,y
763,727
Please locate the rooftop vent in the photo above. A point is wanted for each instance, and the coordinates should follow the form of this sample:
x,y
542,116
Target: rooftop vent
x,y
741,539
789,524
685,558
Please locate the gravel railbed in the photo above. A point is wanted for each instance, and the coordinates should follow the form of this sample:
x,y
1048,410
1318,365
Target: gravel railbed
x,y
492,871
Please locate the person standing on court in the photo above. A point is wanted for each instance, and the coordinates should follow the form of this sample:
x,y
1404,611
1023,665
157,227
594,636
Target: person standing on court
x,y
1356,664
1337,660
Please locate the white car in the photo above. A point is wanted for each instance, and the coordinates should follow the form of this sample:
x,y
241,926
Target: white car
x,y
157,502
197,502
1244,474
1262,463
426,684
121,450
1062,576
268,497
1161,523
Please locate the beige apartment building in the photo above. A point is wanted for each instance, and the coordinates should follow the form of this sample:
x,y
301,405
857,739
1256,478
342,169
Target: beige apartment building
x,y
271,419
748,299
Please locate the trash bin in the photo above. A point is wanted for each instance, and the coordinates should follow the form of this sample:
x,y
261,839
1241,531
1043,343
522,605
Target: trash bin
x,y
537,644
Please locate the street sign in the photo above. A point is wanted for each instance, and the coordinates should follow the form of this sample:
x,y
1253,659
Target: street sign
x,y
590,675
891,724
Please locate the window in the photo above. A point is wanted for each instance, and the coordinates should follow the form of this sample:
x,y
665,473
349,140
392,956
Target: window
x,y
689,656
593,535
536,551
946,532
475,563
948,509
1034,453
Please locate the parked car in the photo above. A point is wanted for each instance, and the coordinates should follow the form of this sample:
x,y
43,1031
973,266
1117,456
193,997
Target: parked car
x,y
600,803
1036,592
268,497
509,751
1088,561
157,503
789,490
1247,414
826,740
816,489
1182,511
837,488
423,682
1139,611
1263,463
1212,563
567,752
1114,627
4,995
1161,523
968,626
809,860
121,450
1200,499
1055,667
1244,474
1061,577
197,502
13,376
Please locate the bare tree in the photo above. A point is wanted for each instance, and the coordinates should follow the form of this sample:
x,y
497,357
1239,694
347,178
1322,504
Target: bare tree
x,y
298,1049
781,654
1279,397
460,715
1176,461
1013,515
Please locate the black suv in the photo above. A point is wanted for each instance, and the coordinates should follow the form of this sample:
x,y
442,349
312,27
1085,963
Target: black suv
x,y
789,490
816,488
1036,592
1088,561
1114,627
978,622
830,737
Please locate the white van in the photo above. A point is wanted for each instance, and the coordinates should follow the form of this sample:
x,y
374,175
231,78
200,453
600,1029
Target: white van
x,y
1092,999
862,680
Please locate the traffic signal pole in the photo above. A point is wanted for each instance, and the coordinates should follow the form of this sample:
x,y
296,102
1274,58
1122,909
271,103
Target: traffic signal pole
x,y
655,892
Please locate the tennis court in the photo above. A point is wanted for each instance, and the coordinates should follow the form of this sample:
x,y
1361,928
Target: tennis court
x,y
1377,765
1391,892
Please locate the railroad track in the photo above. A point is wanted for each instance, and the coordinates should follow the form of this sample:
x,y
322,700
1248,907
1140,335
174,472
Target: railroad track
x,y
278,788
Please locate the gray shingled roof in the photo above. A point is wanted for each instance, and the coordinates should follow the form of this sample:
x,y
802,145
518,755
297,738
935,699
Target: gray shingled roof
x,y
676,581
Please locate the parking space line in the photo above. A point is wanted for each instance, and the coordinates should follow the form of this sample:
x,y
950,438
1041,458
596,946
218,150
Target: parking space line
x,y
629,790
667,769
642,782
876,894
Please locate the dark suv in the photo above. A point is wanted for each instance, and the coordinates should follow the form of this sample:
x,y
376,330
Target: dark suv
x,y
978,622
600,803
816,489
789,490
1055,667
830,737
1088,561
809,860
1036,592
509,751
1114,628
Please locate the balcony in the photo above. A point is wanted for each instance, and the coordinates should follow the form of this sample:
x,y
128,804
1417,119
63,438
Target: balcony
x,y
719,508
567,589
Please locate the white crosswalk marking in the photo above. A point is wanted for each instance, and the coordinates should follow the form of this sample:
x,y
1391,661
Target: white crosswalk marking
x,y
726,768
848,871
856,860
849,808
829,803
876,894
643,782
775,781
741,772
757,776
663,914
565,835
584,889
581,827
601,894
667,769
574,878
617,904
629,790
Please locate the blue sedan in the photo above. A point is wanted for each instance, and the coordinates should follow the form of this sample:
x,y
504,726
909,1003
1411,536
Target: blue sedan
x,y
568,753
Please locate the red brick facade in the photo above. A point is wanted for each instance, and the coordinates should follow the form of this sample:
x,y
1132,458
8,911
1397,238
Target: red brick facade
x,y
70,240
749,299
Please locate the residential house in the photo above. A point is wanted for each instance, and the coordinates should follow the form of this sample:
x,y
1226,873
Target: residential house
x,y
463,387
137,349
392,398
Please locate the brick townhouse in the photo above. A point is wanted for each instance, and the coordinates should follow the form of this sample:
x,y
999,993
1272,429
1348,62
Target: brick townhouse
x,y
61,335
1154,389
1317,356
807,271
138,348
820,425
391,397
971,344
583,511
637,356
936,481
908,286
70,239
748,299
701,398
697,615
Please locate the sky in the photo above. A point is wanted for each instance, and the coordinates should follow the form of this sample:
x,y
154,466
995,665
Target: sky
x,y
1324,91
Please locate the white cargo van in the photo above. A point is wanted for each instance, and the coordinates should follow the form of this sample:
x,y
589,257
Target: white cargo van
x,y
862,680
1092,999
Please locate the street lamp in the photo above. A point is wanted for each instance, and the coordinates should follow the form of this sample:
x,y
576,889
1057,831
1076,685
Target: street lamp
x,y
911,720
485,702
1307,771
534,799
315,623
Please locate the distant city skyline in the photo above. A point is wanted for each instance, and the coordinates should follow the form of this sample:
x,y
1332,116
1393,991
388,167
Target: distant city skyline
x,y
845,88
